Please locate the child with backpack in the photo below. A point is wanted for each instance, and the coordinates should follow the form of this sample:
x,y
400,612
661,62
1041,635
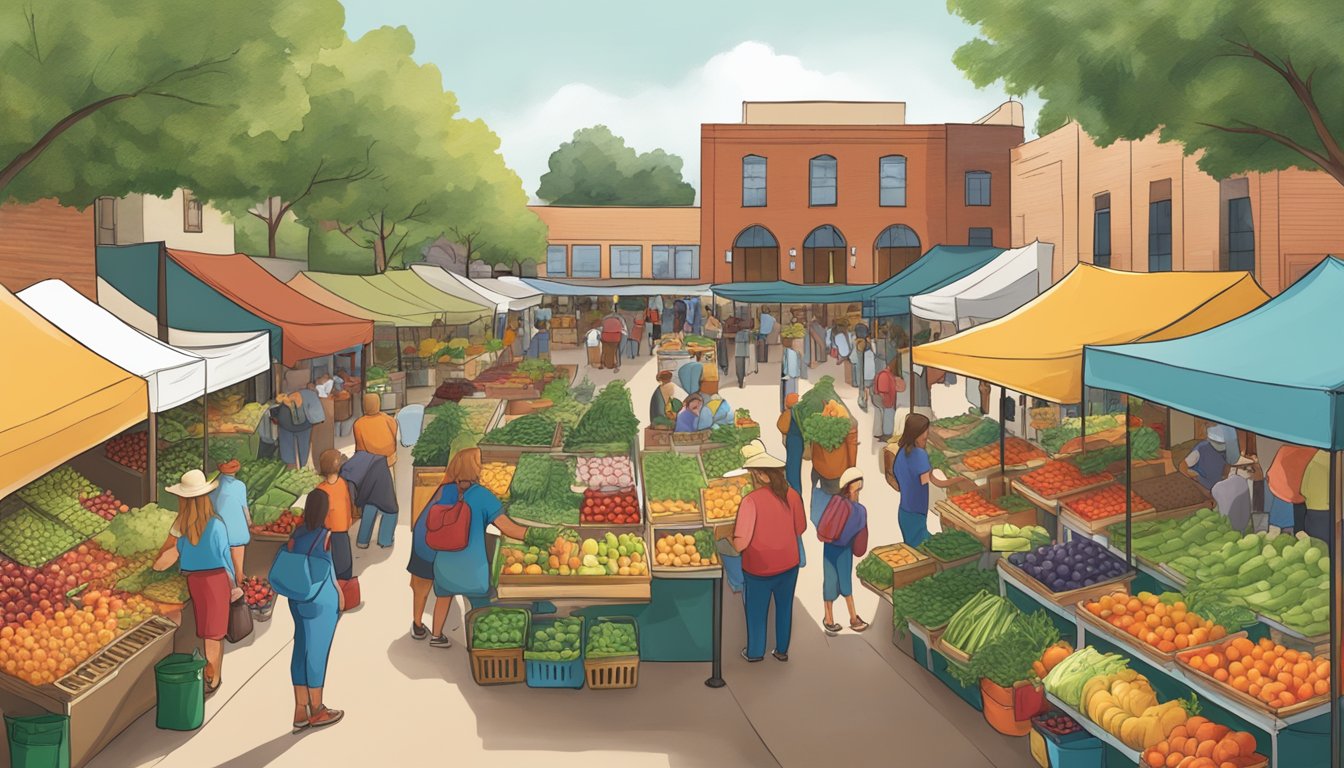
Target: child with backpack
x,y
843,531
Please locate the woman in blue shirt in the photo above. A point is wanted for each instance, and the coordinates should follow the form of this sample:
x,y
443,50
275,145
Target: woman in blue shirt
x,y
913,473
314,620
467,571
230,502
199,544
540,346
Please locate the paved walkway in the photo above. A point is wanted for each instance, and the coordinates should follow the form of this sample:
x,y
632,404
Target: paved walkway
x,y
849,700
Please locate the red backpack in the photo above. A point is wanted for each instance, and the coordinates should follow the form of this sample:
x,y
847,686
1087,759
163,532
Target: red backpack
x,y
612,329
448,526
834,519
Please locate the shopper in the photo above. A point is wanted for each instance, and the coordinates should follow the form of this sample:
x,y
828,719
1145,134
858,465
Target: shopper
x,y
913,473
375,431
1287,506
842,347
465,572
765,328
293,429
375,492
316,415
653,319
663,403
1316,496
540,346
688,420
229,498
635,338
613,331
770,522
716,413
887,387
714,331
844,534
340,512
1232,495
592,345
792,432
817,335
791,367
1208,461
199,544
864,364
742,345
828,465
314,621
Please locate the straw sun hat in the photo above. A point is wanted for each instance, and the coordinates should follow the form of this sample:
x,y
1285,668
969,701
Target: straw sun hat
x,y
193,484
755,457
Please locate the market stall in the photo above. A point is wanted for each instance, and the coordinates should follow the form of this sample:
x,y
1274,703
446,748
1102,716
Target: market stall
x,y
567,301
1000,286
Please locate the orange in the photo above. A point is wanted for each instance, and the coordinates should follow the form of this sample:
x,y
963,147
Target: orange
x,y
1321,687
1240,683
1220,675
1213,661
1236,668
1287,699
1254,689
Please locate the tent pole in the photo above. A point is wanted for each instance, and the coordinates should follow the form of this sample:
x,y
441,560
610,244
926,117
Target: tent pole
x,y
1129,485
910,339
1336,759
152,452
1003,402
1082,404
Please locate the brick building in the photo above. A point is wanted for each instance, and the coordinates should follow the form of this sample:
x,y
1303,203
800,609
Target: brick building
x,y
844,192
1146,206
45,240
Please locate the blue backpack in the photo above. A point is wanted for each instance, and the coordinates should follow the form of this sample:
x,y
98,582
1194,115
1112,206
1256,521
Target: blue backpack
x,y
299,576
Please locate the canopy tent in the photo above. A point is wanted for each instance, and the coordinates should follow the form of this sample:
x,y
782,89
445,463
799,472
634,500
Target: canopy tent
x,y
231,294
521,296
229,357
454,309
1010,280
386,298
82,400
941,265
1037,349
173,376
470,290
1277,371
609,288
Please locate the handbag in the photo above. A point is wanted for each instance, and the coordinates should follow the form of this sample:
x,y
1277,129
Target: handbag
x,y
298,576
240,621
448,526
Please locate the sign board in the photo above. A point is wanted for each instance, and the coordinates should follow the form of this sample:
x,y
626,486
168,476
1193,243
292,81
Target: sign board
x,y
1044,418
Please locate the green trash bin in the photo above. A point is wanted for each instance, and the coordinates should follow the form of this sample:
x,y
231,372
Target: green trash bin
x,y
39,741
179,680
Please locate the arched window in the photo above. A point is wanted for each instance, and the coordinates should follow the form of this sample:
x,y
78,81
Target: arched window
x,y
822,180
896,248
977,187
891,180
755,256
753,181
824,257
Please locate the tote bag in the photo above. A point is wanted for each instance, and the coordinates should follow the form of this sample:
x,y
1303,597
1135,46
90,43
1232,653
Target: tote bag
x,y
298,576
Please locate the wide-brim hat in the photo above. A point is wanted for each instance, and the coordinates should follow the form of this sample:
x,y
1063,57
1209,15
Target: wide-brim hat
x,y
850,475
193,484
755,456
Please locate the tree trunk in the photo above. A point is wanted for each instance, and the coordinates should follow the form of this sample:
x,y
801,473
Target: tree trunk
x,y
380,254
271,226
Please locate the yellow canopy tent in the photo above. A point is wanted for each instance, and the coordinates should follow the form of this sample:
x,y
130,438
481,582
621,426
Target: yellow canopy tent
x,y
1038,349
80,401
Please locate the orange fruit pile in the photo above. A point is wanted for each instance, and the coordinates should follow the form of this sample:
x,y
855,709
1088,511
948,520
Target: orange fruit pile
x,y
1166,627
1278,676
1203,744
976,505
1016,451
722,500
46,647
1059,477
1104,502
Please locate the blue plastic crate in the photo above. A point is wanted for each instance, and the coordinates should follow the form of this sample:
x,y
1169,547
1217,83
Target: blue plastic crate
x,y
557,674
1081,753
970,695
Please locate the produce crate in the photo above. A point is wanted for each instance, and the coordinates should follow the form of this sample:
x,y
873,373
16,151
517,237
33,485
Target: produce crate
x,y
657,438
1256,705
1119,637
1077,522
698,437
953,516
743,481
905,575
510,453
557,674
941,565
614,672
696,515
496,666
1152,490
952,654
1316,646
1071,597
635,589
680,572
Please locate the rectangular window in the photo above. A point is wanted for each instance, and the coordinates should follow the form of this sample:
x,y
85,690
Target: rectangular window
x,y
981,236
192,218
891,181
662,262
822,181
107,220
686,262
627,261
977,187
753,181
1101,230
556,258
587,260
1240,235
1159,236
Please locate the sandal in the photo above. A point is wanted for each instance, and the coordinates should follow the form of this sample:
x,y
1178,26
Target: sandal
x,y
749,659
780,656
299,725
325,717
832,629
858,624
211,689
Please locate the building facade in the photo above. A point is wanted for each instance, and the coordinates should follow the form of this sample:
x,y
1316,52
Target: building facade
x,y
846,192
45,240
622,243
181,221
1146,206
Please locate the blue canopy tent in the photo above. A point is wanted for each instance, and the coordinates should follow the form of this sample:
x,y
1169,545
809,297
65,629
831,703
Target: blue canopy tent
x,y
1277,371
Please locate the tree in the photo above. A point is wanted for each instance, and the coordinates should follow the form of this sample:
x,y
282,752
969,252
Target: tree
x,y
1253,86
597,168
101,98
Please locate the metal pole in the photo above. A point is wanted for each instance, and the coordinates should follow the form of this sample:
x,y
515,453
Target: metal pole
x,y
910,340
1129,485
1336,758
716,668
1082,403
1003,402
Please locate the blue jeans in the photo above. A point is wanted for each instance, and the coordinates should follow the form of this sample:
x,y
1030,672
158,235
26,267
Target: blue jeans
x,y
732,570
914,528
758,590
837,571
294,446
314,629
387,526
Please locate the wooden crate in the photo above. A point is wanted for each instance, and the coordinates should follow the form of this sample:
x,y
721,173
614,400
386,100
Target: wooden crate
x,y
904,575
945,565
424,482
636,589
1256,705
1071,597
510,453
952,654
495,666
981,527
657,438
1154,656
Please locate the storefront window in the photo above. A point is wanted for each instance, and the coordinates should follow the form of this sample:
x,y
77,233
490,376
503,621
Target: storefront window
x,y
587,260
627,260
555,260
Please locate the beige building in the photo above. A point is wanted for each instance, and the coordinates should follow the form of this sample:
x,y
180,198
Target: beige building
x,y
181,221
1145,206
622,243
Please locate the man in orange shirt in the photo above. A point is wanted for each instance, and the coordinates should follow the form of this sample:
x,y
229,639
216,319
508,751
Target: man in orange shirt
x,y
376,432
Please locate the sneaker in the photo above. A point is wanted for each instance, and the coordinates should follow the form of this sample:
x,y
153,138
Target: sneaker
x,y
419,631
362,546
325,717
441,641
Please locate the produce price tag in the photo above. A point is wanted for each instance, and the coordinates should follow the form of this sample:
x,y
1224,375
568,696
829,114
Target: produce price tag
x,y
1043,418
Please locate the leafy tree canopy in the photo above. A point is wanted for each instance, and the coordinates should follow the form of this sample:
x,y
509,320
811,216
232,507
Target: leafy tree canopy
x,y
597,168
1255,86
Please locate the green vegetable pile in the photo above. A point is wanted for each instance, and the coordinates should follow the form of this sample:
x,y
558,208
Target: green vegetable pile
x,y
1007,537
875,571
608,638
951,545
258,475
565,408
816,398
671,477
1011,502
535,368
826,431
499,628
983,618
609,421
479,411
140,530
984,433
1054,438
543,537
938,460
1007,659
721,460
297,481
533,429
444,434
972,416
704,543
1215,606
735,436
1095,462
1068,677
375,373
1144,443
557,640
272,505
932,600
177,460
541,493
30,538
692,339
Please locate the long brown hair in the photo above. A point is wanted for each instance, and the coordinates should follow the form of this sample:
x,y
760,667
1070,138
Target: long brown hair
x,y
464,468
315,509
772,478
916,424
193,514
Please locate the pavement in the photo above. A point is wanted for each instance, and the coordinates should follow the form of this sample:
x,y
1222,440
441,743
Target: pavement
x,y
848,700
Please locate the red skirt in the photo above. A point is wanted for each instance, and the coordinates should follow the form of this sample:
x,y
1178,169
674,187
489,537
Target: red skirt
x,y
210,602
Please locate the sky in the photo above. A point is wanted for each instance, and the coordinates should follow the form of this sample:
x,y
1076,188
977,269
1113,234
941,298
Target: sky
x,y
538,70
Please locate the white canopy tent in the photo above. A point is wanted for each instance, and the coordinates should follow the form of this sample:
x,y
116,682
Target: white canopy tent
x,y
229,357
521,295
1010,280
463,287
